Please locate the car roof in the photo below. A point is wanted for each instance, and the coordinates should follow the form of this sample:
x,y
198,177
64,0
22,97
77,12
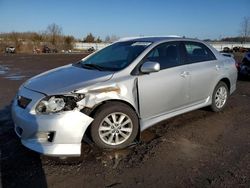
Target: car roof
x,y
160,39
146,39
155,39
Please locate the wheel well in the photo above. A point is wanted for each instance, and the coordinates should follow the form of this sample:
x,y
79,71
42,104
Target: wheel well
x,y
95,108
227,82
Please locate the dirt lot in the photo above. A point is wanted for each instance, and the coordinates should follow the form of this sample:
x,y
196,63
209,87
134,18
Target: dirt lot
x,y
197,149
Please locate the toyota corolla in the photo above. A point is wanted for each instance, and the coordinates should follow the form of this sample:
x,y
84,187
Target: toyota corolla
x,y
119,91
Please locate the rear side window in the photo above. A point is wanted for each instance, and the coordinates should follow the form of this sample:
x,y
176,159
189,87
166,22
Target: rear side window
x,y
167,54
197,52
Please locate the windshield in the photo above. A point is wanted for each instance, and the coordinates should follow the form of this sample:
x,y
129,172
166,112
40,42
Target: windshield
x,y
116,56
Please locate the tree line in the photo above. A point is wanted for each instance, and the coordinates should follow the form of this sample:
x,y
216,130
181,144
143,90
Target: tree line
x,y
26,41
52,37
244,33
92,39
238,39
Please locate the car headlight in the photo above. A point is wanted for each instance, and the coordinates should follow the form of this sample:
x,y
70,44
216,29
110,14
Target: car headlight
x,y
55,104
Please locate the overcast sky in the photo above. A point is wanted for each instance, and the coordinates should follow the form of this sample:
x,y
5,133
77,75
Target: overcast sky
x,y
192,18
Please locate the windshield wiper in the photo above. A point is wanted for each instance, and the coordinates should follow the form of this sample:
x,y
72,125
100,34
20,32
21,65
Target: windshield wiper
x,y
95,66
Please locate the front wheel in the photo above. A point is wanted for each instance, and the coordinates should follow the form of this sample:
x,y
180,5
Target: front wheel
x,y
220,96
115,126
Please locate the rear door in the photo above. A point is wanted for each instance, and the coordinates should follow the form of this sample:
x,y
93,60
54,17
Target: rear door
x,y
203,68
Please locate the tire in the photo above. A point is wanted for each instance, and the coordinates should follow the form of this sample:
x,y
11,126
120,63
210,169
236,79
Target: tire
x,y
107,132
220,97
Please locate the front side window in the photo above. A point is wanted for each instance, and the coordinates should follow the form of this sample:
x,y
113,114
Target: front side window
x,y
167,54
197,52
116,56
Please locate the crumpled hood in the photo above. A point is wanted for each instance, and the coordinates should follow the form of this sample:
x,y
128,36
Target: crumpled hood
x,y
66,79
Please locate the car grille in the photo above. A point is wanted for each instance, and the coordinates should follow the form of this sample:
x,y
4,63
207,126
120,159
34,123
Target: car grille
x,y
23,102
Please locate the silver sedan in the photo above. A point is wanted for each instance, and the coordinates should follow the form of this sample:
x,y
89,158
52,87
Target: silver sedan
x,y
119,91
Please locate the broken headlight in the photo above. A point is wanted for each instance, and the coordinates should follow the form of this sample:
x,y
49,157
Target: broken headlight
x,y
55,104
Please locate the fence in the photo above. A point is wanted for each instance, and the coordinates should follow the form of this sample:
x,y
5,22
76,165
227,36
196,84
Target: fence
x,y
86,46
217,45
220,45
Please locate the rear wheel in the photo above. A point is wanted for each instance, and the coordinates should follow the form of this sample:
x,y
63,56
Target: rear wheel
x,y
115,126
220,96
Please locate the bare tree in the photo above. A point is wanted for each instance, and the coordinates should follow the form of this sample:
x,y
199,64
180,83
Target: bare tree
x,y
114,38
36,38
54,32
245,28
89,38
111,38
107,38
3,43
68,42
98,40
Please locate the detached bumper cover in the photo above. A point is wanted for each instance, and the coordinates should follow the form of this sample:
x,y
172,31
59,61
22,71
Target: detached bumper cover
x,y
68,128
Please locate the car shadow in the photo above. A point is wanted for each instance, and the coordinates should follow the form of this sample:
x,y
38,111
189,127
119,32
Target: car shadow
x,y
19,167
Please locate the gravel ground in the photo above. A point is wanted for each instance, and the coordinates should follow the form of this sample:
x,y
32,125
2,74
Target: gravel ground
x,y
196,149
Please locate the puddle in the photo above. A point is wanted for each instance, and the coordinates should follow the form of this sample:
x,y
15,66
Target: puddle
x,y
3,69
113,158
5,72
245,95
15,77
26,57
107,158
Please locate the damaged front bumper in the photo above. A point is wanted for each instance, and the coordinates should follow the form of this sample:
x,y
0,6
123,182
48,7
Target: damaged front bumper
x,y
58,134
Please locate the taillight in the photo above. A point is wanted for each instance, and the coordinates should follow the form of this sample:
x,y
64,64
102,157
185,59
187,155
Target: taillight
x,y
236,64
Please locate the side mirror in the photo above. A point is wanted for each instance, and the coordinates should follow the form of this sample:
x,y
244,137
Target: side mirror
x,y
150,66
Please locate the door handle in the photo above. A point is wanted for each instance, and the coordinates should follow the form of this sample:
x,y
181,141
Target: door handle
x,y
184,74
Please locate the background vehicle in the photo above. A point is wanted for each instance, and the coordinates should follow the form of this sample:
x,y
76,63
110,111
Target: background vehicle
x,y
244,68
119,91
91,49
10,49
240,49
236,48
46,49
36,50
227,50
